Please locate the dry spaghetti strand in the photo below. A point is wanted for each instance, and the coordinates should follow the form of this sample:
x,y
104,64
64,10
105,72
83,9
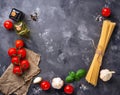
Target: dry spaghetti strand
x,y
93,72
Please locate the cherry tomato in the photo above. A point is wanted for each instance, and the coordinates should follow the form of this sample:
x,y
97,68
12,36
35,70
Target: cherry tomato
x,y
15,60
19,44
106,12
8,24
24,64
45,85
17,70
68,89
12,52
22,53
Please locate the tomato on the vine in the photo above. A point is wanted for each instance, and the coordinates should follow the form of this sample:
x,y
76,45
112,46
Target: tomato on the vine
x,y
17,70
12,52
24,64
106,12
22,53
8,24
19,44
68,89
15,60
45,85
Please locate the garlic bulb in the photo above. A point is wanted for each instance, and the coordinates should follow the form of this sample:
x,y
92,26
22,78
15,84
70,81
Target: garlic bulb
x,y
37,80
57,83
106,74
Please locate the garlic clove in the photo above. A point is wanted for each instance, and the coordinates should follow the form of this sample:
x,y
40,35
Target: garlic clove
x,y
57,83
37,80
106,74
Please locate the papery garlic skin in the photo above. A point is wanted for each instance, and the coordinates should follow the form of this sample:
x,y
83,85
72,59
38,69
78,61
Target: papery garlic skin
x,y
106,74
37,80
57,83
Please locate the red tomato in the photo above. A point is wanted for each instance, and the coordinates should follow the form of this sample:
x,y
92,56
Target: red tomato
x,y
15,60
45,85
19,43
22,53
106,12
12,52
8,24
68,89
17,70
24,64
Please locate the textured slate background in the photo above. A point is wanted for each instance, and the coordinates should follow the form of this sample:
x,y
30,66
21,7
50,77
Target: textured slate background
x,y
63,36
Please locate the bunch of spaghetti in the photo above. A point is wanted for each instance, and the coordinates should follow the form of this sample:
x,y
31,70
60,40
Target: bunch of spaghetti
x,y
93,72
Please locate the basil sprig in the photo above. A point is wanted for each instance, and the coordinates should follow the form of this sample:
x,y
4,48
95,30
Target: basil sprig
x,y
75,76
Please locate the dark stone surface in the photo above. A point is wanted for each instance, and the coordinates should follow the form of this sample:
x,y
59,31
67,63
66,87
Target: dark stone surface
x,y
63,36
